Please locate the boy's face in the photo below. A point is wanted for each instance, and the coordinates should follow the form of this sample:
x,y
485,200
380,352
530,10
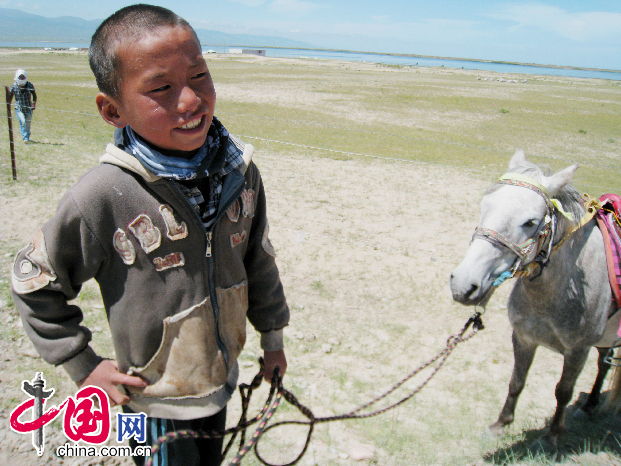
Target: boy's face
x,y
166,92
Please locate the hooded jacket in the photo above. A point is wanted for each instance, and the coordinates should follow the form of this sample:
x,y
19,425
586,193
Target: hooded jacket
x,y
176,295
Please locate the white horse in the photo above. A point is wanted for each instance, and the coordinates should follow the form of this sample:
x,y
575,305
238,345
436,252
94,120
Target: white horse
x,y
530,217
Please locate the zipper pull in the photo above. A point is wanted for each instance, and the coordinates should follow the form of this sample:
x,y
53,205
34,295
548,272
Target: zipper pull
x,y
208,252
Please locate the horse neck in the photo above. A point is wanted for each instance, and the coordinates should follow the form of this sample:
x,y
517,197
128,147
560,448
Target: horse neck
x,y
566,227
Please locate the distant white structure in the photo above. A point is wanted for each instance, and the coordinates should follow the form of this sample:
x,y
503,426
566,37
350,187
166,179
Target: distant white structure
x,y
259,52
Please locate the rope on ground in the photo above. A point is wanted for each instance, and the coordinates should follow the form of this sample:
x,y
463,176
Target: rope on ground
x,y
278,391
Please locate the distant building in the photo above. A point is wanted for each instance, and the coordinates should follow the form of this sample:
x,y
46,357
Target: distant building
x,y
235,51
259,52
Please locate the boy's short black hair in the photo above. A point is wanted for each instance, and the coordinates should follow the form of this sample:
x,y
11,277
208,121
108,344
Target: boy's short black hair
x,y
129,23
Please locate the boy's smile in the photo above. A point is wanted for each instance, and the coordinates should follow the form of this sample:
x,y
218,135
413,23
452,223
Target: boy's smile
x,y
166,92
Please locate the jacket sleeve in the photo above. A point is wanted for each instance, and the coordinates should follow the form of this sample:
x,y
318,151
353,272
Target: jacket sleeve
x,y
267,307
47,274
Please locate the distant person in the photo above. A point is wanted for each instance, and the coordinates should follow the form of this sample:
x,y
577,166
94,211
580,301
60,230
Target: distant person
x,y
173,227
24,90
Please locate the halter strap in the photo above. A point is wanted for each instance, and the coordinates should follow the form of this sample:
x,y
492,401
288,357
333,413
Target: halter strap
x,y
516,179
520,250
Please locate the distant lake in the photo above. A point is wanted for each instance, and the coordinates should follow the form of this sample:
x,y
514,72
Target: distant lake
x,y
377,58
430,62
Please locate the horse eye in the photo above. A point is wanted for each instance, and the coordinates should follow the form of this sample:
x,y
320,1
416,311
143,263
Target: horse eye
x,y
530,223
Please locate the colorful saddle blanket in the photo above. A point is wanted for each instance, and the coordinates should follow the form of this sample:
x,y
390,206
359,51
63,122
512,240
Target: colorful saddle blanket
x,y
608,219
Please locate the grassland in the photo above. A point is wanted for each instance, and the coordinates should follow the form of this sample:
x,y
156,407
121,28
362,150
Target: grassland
x,y
373,175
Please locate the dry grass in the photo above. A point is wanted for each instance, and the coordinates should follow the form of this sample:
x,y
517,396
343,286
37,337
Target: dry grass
x,y
365,245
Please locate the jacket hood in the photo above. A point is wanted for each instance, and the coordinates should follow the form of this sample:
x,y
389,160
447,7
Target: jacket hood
x,y
120,158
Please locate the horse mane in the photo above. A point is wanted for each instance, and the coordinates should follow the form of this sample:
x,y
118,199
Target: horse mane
x,y
568,195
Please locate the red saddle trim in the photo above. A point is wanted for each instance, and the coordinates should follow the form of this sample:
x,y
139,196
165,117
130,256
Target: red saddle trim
x,y
612,276
608,222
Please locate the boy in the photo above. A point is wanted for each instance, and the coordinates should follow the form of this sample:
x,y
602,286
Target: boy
x,y
23,90
172,225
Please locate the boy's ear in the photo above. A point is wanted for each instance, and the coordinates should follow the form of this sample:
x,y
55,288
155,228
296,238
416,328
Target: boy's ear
x,y
109,110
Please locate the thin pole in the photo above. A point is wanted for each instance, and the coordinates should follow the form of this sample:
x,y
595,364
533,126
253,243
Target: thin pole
x,y
10,120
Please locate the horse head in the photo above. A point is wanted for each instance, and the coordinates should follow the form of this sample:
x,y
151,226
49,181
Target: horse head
x,y
516,226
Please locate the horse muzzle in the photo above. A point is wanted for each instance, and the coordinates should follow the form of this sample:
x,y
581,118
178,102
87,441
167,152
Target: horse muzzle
x,y
468,289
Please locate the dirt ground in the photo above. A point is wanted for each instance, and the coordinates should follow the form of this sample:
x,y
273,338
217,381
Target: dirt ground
x,y
365,249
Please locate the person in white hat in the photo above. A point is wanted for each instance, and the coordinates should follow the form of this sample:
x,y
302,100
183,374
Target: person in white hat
x,y
25,102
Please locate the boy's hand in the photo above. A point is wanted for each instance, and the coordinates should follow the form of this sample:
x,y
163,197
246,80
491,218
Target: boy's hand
x,y
274,359
107,376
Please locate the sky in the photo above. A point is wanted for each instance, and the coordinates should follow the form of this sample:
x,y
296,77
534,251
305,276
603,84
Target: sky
x,y
585,33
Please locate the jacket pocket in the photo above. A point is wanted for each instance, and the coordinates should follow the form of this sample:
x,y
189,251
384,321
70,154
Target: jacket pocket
x,y
188,362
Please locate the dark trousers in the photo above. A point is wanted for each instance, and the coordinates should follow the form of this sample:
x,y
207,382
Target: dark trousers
x,y
185,451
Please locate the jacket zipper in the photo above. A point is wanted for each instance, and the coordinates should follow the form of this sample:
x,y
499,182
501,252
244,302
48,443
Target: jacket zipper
x,y
211,281
211,274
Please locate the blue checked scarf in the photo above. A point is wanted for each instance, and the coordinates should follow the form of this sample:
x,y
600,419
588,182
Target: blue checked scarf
x,y
178,168
199,176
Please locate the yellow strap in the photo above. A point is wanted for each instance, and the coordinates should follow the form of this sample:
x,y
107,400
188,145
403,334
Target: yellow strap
x,y
527,179
556,203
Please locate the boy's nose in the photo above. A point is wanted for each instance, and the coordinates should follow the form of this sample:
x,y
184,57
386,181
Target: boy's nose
x,y
188,100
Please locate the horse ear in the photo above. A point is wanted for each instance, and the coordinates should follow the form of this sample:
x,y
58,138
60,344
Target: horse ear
x,y
518,159
555,182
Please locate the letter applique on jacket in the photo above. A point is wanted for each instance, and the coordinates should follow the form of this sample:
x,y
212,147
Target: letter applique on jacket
x,y
175,259
247,197
174,230
238,238
32,269
124,247
233,211
148,234
150,238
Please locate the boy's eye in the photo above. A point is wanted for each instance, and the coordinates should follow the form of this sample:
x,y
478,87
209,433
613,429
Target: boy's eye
x,y
200,75
161,89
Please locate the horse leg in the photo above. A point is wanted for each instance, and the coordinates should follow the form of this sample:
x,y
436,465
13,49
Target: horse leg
x,y
572,366
523,355
602,371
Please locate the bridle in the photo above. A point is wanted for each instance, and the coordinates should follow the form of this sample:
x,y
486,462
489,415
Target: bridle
x,y
536,249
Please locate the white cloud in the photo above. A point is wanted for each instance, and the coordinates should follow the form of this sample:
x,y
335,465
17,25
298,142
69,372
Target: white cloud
x,y
294,6
581,27
18,5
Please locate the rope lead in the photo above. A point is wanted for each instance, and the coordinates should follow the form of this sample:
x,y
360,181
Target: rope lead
x,y
278,391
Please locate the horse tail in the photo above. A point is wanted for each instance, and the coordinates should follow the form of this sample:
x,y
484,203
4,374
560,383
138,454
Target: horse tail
x,y
613,400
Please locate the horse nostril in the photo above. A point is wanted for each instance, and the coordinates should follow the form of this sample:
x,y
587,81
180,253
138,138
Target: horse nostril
x,y
473,289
